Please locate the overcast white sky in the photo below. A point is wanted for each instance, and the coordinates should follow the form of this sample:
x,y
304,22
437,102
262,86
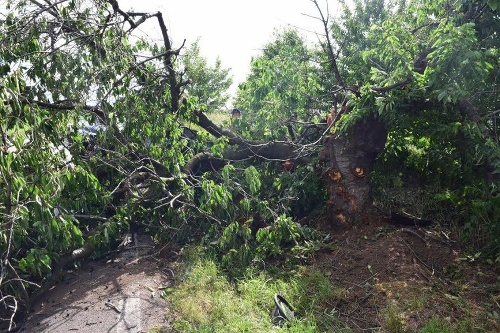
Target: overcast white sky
x,y
234,30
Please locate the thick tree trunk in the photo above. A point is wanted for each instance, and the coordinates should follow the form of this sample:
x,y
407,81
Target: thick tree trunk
x,y
349,164
350,159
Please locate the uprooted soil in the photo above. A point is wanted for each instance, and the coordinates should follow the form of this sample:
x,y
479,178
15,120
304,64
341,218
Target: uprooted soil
x,y
388,278
393,277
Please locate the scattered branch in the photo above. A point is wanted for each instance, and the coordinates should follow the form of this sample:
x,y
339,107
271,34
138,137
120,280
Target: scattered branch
x,y
89,217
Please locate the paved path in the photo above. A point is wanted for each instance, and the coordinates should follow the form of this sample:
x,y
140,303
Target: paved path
x,y
121,295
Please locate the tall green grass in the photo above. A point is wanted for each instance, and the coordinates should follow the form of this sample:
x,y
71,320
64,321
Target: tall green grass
x,y
206,301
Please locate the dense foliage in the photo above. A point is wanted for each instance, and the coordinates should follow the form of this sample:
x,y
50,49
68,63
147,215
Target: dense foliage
x,y
93,141
282,88
429,72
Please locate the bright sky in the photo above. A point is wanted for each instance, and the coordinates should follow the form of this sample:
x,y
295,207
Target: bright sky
x,y
234,30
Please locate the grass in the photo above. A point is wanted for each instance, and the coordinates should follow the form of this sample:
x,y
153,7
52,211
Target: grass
x,y
206,301
393,320
159,329
405,305
443,326
416,302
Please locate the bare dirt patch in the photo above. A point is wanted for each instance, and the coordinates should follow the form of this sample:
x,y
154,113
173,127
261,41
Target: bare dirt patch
x,y
391,275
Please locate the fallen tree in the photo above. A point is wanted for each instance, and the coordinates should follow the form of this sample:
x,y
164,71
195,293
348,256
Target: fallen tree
x,y
73,197
63,63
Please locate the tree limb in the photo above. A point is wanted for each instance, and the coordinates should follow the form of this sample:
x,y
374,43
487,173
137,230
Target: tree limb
x,y
245,149
328,48
175,91
126,16
468,110
393,86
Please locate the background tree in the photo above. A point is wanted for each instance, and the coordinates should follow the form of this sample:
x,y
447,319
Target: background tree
x,y
209,84
282,88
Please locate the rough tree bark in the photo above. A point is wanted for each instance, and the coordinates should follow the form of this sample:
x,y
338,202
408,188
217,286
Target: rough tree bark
x,y
350,161
349,158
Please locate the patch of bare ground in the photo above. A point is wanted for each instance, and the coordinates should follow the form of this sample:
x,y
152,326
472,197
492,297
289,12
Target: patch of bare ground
x,y
394,278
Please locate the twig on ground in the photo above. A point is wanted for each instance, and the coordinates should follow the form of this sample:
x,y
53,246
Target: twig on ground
x,y
364,281
418,258
414,233
112,306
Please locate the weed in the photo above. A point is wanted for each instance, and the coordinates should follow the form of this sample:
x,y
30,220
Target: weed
x,y
416,302
439,325
393,320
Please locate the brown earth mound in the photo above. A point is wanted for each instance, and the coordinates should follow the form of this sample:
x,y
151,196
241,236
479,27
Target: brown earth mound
x,y
396,278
